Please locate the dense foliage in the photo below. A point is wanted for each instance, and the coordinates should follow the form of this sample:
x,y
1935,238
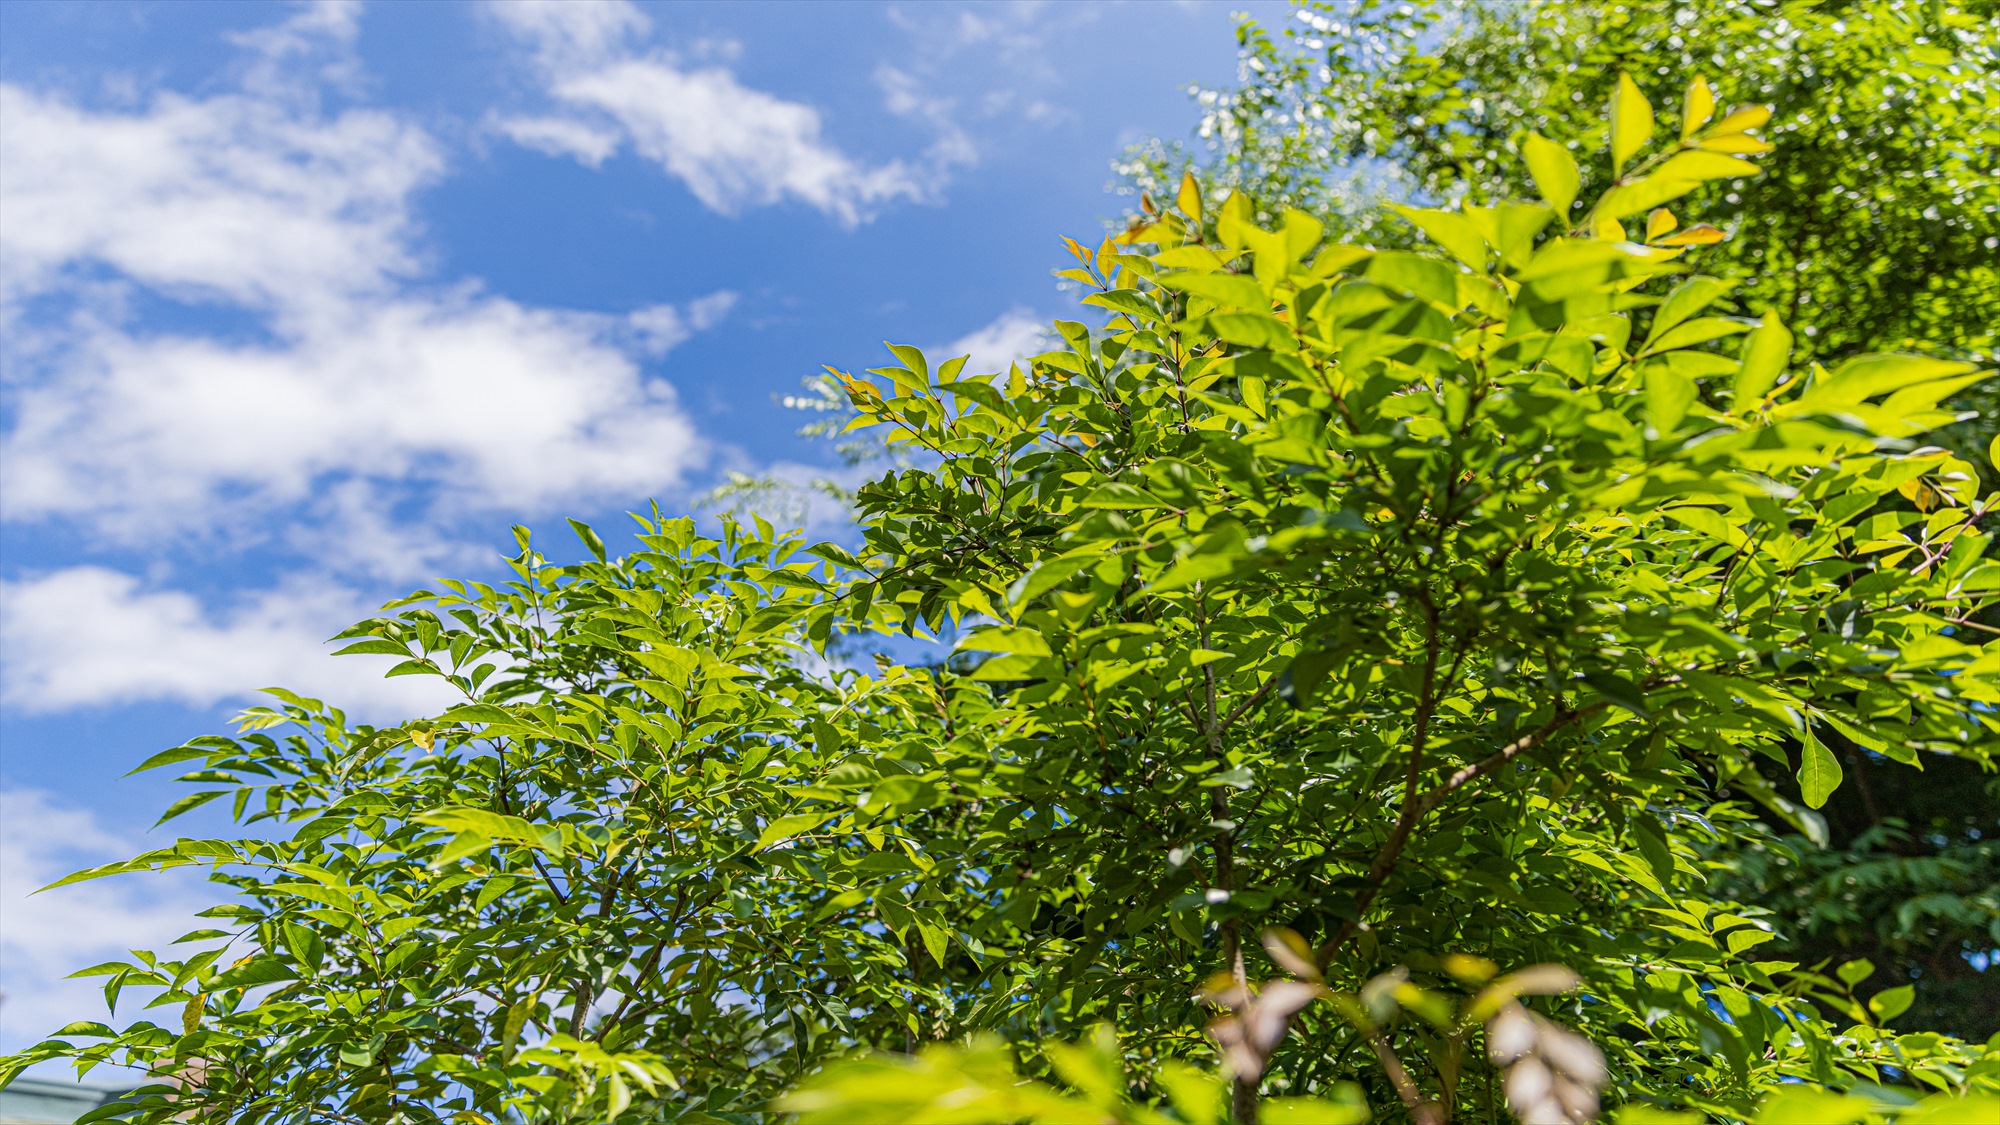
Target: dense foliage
x,y
1361,654
1876,228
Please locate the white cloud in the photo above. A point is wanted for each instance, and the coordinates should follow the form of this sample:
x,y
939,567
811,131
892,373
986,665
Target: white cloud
x,y
733,146
319,392
561,136
484,402
89,636
45,937
234,197
349,369
662,328
322,32
1013,335
568,34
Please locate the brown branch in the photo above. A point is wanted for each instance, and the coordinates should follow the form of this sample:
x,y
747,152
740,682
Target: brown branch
x,y
1242,708
1410,812
1504,755
1243,1089
1416,808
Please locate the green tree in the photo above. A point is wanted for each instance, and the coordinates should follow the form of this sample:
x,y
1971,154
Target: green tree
x,y
1361,654
1876,228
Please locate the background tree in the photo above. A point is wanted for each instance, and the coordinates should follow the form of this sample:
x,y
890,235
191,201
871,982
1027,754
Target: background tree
x,y
1876,228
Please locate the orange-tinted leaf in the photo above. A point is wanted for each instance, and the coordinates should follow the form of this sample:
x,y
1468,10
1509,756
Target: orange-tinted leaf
x,y
1700,234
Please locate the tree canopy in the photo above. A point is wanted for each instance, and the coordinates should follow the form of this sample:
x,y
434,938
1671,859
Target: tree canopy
x,y
1360,656
1875,228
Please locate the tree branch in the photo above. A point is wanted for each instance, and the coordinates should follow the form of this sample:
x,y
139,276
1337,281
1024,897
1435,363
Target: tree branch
x,y
1416,808
1505,754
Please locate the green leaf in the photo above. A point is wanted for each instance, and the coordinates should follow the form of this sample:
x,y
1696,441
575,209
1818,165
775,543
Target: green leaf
x,y
1253,330
1807,1105
1193,569
1008,668
376,645
1233,289
189,803
913,359
1819,772
1028,642
786,827
1765,354
1413,273
1554,171
1892,1002
936,938
255,971
1856,971
1350,1110
1668,396
1688,298
1453,231
1652,841
590,538
1046,575
1866,376
1118,495
1308,672
1620,691
670,663
460,846
493,826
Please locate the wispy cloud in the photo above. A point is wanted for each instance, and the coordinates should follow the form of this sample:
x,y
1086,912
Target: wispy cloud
x,y
1013,335
662,328
733,146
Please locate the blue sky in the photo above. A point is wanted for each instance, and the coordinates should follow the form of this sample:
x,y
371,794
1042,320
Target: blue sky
x,y
306,304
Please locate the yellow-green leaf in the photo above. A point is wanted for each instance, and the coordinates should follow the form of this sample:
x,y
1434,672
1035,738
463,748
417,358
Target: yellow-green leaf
x,y
1812,1105
1953,1109
1117,494
1554,171
1668,396
1454,232
1232,289
1631,121
936,938
1698,108
1027,642
1703,165
1743,118
1189,199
